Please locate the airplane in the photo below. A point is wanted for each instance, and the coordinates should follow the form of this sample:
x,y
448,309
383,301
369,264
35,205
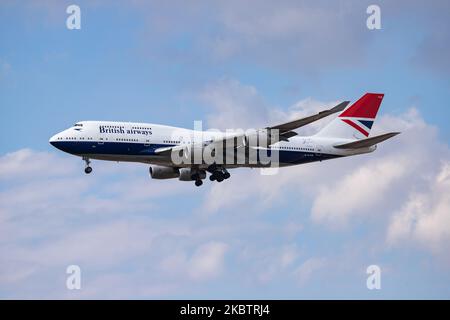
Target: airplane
x,y
163,146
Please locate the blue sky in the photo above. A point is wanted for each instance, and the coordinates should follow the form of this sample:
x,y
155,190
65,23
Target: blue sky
x,y
309,232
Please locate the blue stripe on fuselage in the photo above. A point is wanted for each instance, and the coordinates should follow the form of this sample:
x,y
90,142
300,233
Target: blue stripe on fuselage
x,y
107,148
140,149
298,157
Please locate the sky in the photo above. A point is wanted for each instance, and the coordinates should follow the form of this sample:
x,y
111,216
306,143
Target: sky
x,y
310,231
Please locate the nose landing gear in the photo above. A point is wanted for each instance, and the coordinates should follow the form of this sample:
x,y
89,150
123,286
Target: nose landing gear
x,y
87,169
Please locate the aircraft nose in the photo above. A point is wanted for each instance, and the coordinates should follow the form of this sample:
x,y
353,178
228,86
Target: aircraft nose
x,y
53,140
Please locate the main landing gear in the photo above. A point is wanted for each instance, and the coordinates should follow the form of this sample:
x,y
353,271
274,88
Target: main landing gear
x,y
87,169
198,183
219,175
198,179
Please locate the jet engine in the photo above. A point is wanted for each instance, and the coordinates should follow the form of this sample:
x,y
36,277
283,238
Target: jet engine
x,y
161,172
189,174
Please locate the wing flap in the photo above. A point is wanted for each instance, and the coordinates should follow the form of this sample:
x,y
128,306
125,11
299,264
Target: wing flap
x,y
169,150
235,141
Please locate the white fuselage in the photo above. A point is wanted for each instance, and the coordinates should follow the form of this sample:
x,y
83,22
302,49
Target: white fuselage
x,y
137,142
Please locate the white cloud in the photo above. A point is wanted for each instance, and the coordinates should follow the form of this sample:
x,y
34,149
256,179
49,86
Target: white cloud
x,y
270,263
425,217
207,261
396,168
357,193
304,108
51,213
46,184
306,270
234,106
126,229
365,188
25,162
59,216
288,35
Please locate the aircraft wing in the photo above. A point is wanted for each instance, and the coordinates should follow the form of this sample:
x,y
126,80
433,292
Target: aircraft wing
x,y
288,126
236,141
285,132
364,143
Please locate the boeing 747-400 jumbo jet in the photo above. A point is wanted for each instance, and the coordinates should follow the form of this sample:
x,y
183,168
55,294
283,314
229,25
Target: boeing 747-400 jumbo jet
x,y
189,155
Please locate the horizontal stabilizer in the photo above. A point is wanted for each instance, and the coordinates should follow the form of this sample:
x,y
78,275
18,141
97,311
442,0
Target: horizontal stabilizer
x,y
364,143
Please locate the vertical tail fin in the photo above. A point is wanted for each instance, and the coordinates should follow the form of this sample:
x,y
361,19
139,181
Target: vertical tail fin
x,y
356,121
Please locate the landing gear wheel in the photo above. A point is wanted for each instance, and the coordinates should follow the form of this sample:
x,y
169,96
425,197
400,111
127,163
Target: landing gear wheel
x,y
219,176
87,169
198,183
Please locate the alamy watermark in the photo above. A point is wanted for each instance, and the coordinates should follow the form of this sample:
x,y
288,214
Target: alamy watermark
x,y
373,22
250,147
373,281
73,21
73,281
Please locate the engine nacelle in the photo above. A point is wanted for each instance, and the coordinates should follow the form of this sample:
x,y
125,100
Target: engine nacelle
x,y
188,174
160,172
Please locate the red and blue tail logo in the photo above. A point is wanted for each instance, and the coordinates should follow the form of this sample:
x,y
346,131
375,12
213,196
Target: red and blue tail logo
x,y
362,113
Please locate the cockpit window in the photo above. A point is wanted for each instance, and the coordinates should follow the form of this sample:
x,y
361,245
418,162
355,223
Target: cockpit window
x,y
78,125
